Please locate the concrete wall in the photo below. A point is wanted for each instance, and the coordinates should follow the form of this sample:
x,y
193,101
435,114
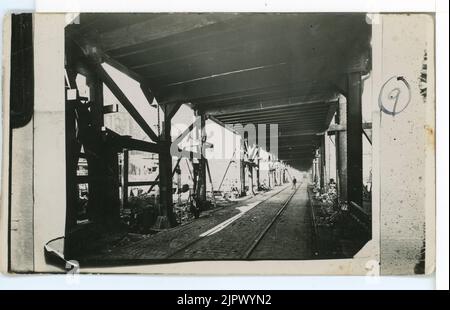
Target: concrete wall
x,y
406,141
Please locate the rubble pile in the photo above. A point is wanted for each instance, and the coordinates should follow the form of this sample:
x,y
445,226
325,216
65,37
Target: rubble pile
x,y
327,210
140,214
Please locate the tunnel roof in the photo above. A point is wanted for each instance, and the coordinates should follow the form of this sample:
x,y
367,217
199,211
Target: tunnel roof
x,y
285,68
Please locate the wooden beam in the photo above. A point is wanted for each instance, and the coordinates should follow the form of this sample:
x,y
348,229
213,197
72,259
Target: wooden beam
x,y
147,93
281,111
142,183
297,90
202,165
298,133
122,68
315,101
167,218
125,181
220,123
253,52
329,116
286,120
250,79
274,75
333,128
354,139
171,109
296,145
118,93
138,145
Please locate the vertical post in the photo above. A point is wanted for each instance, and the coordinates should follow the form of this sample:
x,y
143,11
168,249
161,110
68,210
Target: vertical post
x,y
354,138
341,150
279,174
251,179
323,162
313,171
242,166
96,97
72,156
320,166
317,170
165,175
258,181
99,208
275,176
202,172
125,164
110,212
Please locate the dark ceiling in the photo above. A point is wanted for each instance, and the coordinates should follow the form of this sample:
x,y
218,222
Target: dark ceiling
x,y
241,68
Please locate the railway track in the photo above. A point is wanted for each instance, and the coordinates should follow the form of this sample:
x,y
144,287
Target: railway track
x,y
260,236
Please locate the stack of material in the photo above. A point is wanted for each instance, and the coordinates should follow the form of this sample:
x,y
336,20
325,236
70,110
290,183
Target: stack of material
x,y
140,214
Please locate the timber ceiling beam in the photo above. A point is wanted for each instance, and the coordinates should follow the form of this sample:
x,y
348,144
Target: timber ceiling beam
x,y
313,101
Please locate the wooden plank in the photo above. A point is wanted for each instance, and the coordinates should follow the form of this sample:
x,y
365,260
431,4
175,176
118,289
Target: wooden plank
x,y
298,133
296,118
141,183
137,145
296,145
281,111
281,75
247,54
112,108
175,47
308,90
122,68
157,28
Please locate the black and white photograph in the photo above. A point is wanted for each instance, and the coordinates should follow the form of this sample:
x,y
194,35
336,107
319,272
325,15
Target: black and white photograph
x,y
217,137
204,143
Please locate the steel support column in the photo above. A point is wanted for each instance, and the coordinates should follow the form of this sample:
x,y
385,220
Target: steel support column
x,y
354,138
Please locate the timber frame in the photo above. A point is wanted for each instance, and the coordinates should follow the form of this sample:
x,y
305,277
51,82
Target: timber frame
x,y
297,84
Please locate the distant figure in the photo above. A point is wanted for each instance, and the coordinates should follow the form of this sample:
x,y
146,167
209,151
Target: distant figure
x,y
294,183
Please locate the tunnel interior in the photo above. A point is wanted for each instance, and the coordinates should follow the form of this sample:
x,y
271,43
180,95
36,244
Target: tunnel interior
x,y
282,85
